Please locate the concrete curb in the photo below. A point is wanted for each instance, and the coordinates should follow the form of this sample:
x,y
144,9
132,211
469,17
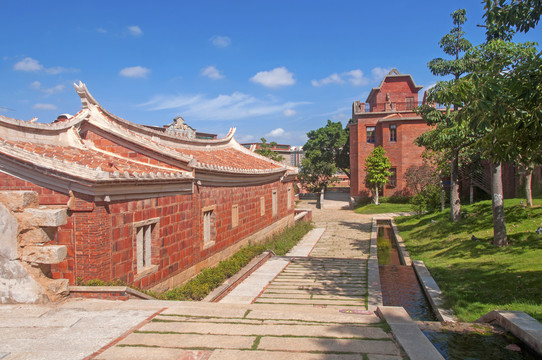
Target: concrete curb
x,y
374,289
523,326
429,285
414,342
108,292
433,292
232,282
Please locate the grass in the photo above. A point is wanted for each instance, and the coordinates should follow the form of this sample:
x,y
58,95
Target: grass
x,y
475,276
210,278
385,207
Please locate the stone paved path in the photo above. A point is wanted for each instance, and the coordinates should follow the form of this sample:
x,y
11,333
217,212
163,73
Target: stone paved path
x,y
314,309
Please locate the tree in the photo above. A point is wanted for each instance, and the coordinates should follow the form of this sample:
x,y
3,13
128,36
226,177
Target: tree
x,y
331,145
504,17
502,107
266,150
327,151
377,166
448,136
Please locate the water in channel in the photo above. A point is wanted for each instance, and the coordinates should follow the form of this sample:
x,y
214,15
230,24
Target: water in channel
x,y
400,286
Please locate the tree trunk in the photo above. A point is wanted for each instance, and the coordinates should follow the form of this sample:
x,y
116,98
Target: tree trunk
x,y
442,197
455,202
499,225
471,192
528,179
376,195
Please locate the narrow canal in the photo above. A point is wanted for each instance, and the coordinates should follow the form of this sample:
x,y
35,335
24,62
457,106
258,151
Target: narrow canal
x,y
400,286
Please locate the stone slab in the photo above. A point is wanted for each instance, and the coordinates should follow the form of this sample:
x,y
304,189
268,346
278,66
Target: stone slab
x,y
190,341
332,330
149,353
312,315
16,284
433,292
523,326
222,354
8,234
331,345
45,216
414,342
249,289
18,200
305,246
49,254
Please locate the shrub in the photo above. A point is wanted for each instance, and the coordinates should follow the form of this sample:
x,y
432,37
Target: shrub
x,y
427,200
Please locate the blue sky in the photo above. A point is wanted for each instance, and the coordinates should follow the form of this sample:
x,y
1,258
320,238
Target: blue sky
x,y
273,69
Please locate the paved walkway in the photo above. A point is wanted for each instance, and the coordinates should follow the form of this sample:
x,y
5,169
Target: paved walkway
x,y
308,305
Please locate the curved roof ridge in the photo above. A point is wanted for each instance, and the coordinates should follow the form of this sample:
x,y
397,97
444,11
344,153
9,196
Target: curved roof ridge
x,y
87,99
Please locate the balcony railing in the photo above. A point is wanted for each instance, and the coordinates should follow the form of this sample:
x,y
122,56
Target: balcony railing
x,y
390,106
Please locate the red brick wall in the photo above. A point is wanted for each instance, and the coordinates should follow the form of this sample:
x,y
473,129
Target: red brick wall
x,y
101,239
402,153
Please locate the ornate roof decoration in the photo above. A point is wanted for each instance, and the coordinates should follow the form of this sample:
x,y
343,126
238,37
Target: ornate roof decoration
x,y
122,152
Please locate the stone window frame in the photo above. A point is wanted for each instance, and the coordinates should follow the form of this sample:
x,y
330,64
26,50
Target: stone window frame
x,y
392,181
289,204
274,202
208,215
234,215
371,134
393,132
262,205
145,235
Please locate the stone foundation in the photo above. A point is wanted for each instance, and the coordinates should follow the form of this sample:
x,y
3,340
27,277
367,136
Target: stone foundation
x,y
25,258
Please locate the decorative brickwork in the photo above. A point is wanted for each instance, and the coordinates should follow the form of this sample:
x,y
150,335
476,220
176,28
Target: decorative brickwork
x,y
137,198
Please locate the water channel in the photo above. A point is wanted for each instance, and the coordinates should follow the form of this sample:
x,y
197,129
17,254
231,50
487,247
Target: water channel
x,y
400,287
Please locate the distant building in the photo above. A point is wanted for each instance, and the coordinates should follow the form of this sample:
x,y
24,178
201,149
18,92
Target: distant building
x,y
293,155
386,119
179,128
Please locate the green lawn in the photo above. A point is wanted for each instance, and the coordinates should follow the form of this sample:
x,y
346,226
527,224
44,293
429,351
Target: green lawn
x,y
383,208
475,276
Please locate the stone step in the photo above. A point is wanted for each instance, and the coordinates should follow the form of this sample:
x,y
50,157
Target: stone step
x,y
333,331
189,341
329,345
360,302
267,295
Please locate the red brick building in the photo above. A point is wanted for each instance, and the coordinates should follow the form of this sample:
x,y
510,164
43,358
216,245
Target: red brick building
x,y
143,206
386,119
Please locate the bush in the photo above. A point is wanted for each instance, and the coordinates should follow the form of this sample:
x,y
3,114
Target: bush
x,y
427,200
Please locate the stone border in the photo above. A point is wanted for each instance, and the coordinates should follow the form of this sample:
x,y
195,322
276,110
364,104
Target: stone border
x,y
374,290
228,285
408,334
108,292
432,292
429,285
523,326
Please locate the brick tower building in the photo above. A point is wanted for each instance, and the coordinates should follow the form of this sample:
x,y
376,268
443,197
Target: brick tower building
x,y
386,119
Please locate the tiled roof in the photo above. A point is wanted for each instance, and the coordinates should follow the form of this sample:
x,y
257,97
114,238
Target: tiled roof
x,y
230,157
87,163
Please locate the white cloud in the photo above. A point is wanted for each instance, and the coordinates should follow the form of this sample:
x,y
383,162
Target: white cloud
x,y
331,79
222,107
101,30
275,78
289,112
212,73
44,107
277,132
245,138
135,72
28,64
32,65
36,85
135,30
379,73
355,77
221,41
